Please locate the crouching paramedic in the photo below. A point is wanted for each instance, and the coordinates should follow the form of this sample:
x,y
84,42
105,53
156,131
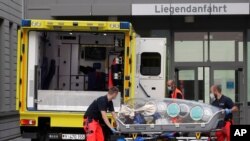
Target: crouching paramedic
x,y
227,104
96,115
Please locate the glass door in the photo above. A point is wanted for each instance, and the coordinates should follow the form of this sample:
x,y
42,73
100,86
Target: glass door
x,y
201,59
194,82
232,86
186,82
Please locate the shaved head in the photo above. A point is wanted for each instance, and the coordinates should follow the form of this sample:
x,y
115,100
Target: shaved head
x,y
212,89
216,90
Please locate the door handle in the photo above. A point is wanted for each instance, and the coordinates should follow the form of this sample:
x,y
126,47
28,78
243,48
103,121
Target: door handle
x,y
38,100
144,91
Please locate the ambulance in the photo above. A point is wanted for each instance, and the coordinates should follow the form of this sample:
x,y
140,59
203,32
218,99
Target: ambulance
x,y
62,66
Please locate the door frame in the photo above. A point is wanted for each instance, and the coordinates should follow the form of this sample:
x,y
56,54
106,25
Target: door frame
x,y
241,97
215,65
240,84
195,69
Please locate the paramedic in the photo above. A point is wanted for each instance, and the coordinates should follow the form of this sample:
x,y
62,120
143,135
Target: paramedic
x,y
227,104
96,115
174,92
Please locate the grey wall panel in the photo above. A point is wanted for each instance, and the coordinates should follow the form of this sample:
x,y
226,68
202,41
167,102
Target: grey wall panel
x,y
4,57
38,9
191,1
75,10
113,1
42,3
10,10
150,1
18,2
111,9
13,54
9,134
161,1
38,14
10,17
12,4
9,127
229,1
48,9
51,9
1,67
74,1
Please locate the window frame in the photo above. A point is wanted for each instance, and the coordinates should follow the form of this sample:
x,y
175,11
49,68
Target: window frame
x,y
147,74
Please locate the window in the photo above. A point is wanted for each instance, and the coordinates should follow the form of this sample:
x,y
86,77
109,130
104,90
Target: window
x,y
223,46
208,46
222,51
240,45
190,47
226,79
150,64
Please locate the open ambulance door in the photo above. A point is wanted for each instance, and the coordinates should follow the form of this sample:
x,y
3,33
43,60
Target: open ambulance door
x,y
18,70
151,68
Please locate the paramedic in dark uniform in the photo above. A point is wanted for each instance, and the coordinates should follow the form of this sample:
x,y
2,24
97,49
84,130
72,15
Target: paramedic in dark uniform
x,y
174,92
96,115
227,104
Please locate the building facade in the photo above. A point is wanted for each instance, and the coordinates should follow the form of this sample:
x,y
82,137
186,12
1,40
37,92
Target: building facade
x,y
10,16
208,40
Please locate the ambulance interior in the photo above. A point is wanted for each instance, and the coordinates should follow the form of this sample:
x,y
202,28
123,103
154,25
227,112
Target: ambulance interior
x,y
77,66
78,61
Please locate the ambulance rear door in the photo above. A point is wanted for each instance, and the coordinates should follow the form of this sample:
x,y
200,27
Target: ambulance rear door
x,y
150,68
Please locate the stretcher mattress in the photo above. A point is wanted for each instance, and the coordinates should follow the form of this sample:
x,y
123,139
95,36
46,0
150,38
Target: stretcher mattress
x,y
140,115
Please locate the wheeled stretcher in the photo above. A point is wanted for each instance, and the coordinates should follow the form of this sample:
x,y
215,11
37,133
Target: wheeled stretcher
x,y
168,115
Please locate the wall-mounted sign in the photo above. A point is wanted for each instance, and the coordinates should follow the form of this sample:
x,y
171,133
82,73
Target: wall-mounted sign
x,y
191,9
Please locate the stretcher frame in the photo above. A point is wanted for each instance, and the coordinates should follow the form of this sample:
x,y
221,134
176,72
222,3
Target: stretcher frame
x,y
172,127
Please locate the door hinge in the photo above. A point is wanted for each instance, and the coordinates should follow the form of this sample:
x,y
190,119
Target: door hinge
x,y
75,23
23,48
21,58
130,61
127,77
126,92
127,51
20,81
